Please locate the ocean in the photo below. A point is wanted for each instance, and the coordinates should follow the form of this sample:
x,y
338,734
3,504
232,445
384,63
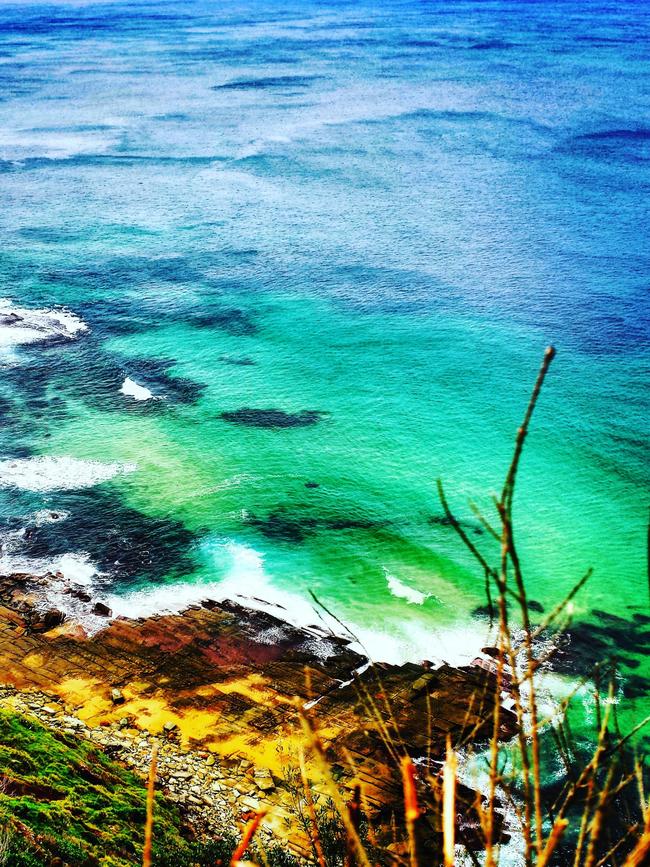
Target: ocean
x,y
271,269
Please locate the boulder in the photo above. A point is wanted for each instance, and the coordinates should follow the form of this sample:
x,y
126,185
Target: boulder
x,y
48,620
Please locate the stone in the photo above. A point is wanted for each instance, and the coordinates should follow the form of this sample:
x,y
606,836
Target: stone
x,y
116,696
421,682
102,610
48,620
77,593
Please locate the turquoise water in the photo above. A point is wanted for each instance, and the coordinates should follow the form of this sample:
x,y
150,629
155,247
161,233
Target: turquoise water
x,y
379,215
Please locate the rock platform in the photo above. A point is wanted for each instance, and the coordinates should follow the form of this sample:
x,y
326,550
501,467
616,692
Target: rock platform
x,y
225,691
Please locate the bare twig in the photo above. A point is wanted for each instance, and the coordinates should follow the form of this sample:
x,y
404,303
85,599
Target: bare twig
x,y
148,828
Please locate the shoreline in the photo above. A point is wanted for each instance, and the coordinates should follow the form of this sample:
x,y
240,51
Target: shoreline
x,y
223,689
64,580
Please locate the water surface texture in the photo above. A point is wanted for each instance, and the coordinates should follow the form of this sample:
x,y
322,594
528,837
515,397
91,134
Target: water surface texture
x,y
319,250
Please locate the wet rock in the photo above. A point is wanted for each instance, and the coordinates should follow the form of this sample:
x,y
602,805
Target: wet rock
x,y
48,620
77,593
116,696
101,610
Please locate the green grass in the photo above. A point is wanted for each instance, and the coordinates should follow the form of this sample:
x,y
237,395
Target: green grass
x,y
65,803
65,799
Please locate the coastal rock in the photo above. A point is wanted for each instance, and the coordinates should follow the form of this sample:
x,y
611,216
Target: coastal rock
x,y
211,677
264,781
48,620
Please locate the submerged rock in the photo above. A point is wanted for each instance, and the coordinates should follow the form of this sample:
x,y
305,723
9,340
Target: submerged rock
x,y
272,418
238,362
295,524
129,545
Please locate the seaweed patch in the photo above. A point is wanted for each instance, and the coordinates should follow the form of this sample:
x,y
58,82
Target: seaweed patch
x,y
122,542
272,418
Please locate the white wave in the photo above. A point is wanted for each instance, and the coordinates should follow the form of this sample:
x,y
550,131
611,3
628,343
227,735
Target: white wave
x,y
70,568
132,389
57,582
403,591
246,582
53,143
57,473
20,325
233,482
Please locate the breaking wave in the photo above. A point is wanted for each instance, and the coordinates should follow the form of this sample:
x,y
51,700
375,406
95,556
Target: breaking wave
x,y
57,473
21,325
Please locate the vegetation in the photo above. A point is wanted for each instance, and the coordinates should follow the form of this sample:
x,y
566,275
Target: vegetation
x,y
64,799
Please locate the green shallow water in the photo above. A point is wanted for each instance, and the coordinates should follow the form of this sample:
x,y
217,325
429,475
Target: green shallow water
x,y
383,440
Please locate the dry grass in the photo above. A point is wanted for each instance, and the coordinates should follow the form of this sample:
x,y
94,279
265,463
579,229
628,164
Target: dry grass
x,y
148,828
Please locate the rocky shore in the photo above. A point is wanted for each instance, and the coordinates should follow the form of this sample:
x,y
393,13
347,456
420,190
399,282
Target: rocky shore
x,y
224,691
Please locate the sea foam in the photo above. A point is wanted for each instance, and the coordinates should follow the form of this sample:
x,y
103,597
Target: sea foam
x,y
72,568
21,325
246,581
57,473
403,591
137,392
